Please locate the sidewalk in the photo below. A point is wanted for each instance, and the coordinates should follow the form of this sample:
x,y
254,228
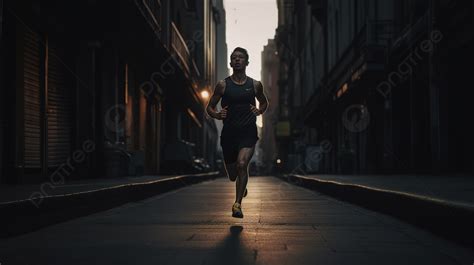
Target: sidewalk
x,y
441,204
454,189
30,207
10,193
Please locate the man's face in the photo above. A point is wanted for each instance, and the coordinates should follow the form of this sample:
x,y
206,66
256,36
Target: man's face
x,y
238,61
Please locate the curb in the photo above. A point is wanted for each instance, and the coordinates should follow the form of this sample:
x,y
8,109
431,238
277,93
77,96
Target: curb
x,y
19,217
447,219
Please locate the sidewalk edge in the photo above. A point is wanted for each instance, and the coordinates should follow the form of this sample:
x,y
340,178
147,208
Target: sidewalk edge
x,y
19,217
446,219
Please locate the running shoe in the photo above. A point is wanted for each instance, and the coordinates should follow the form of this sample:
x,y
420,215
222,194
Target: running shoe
x,y
237,210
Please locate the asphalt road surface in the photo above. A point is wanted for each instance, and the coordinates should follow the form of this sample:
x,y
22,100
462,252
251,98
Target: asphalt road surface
x,y
282,224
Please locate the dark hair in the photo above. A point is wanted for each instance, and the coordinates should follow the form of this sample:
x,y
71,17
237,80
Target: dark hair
x,y
242,50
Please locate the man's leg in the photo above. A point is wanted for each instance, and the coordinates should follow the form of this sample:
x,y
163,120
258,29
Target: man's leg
x,y
231,170
243,159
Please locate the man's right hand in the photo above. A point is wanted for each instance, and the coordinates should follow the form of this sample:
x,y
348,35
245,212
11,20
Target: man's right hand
x,y
222,114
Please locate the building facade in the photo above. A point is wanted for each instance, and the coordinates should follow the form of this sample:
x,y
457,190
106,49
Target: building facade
x,y
116,94
374,85
269,79
222,63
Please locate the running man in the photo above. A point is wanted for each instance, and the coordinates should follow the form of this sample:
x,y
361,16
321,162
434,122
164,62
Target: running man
x,y
239,115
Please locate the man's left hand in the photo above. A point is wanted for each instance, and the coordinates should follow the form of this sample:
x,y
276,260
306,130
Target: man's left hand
x,y
254,110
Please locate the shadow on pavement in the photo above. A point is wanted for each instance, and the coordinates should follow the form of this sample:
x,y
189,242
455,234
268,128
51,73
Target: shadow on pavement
x,y
231,250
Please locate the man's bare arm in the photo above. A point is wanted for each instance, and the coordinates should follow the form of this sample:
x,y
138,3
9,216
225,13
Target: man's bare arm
x,y
262,99
216,96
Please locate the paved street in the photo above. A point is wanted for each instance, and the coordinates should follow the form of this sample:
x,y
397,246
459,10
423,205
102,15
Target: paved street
x,y
283,224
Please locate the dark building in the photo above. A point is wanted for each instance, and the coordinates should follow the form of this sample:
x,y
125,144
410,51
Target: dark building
x,y
299,42
222,62
94,89
269,79
377,86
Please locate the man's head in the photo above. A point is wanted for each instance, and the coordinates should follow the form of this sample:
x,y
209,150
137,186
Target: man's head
x,y
239,59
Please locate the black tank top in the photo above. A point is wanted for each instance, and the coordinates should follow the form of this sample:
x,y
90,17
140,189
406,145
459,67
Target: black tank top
x,y
238,98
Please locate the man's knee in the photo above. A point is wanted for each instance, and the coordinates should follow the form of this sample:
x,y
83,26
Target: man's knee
x,y
241,165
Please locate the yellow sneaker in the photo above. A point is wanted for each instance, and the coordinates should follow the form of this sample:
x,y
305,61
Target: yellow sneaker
x,y
237,210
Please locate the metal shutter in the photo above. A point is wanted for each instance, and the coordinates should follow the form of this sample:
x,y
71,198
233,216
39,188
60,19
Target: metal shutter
x,y
60,109
32,100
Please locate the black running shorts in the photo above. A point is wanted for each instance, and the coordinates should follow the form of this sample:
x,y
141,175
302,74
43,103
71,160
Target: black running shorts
x,y
234,139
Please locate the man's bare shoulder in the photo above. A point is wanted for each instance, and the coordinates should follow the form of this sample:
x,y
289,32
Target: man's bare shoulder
x,y
221,83
257,84
220,86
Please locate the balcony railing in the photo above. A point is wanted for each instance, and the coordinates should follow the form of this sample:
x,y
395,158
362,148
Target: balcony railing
x,y
372,40
151,10
180,50
368,48
411,34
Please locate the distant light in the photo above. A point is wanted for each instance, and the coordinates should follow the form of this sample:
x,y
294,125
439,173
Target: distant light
x,y
278,161
204,94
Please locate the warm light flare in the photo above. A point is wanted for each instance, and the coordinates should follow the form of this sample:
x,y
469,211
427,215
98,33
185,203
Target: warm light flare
x,y
204,94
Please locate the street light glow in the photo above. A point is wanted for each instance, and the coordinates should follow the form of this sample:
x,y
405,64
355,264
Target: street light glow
x,y
204,94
